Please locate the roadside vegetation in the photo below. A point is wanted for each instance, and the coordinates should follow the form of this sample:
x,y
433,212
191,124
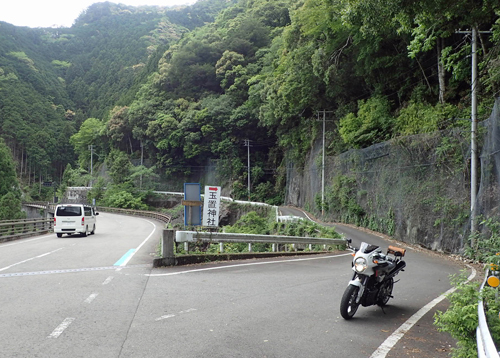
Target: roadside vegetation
x,y
253,223
157,95
461,318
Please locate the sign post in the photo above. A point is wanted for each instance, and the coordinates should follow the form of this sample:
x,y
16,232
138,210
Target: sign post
x,y
211,206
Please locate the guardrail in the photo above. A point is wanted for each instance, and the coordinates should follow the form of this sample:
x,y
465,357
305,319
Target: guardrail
x,y
218,237
143,213
485,346
15,229
170,237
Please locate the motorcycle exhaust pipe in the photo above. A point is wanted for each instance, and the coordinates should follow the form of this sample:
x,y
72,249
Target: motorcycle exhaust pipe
x,y
399,266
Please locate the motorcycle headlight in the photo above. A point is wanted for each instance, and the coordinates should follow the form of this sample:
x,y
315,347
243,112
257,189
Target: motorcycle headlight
x,y
360,264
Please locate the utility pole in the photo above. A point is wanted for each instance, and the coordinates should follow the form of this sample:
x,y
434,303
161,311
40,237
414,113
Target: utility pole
x,y
473,144
323,162
247,144
142,160
473,130
91,148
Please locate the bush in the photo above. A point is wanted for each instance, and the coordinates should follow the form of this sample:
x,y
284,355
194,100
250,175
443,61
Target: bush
x,y
372,124
125,200
250,223
10,207
461,318
420,117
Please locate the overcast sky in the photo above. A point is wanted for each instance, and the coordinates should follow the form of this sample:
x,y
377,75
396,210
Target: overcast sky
x,y
56,13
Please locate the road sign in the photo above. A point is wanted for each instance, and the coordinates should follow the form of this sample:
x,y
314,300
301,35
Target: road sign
x,y
211,204
192,214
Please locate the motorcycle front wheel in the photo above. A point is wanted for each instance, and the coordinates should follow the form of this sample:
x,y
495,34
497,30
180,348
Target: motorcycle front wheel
x,y
348,305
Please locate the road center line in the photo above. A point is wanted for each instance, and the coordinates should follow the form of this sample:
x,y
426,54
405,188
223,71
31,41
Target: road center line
x,y
108,280
245,264
173,315
391,341
36,257
60,329
91,298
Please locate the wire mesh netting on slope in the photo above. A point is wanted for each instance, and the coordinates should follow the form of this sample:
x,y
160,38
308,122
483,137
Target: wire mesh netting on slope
x,y
415,188
488,198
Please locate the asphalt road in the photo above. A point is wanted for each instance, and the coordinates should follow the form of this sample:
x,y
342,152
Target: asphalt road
x,y
99,296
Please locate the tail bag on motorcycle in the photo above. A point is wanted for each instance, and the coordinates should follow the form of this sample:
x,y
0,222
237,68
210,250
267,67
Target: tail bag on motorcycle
x,y
396,251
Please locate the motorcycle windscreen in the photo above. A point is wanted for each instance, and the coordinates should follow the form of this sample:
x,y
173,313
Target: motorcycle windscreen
x,y
367,248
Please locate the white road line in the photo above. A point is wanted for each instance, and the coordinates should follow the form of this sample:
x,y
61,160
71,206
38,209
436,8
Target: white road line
x,y
391,341
108,280
188,310
173,315
125,262
19,242
60,329
165,317
91,298
36,257
246,264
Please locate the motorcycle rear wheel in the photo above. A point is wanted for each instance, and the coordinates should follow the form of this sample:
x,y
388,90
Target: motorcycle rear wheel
x,y
348,305
385,292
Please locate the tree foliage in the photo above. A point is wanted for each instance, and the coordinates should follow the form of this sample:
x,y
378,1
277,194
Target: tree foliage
x,y
10,198
182,87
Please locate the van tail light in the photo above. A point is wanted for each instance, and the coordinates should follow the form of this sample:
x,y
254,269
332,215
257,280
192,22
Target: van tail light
x,y
83,221
54,221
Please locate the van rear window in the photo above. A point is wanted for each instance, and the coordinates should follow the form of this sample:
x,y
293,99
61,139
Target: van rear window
x,y
69,211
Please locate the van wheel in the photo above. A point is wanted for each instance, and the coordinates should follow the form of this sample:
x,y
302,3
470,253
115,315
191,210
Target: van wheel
x,y
59,234
84,234
93,230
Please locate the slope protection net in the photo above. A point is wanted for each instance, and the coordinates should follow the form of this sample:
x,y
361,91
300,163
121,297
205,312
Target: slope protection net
x,y
415,188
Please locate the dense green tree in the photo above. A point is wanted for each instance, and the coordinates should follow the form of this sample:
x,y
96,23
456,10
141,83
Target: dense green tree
x,y
10,207
119,167
90,134
10,198
371,124
179,88
9,181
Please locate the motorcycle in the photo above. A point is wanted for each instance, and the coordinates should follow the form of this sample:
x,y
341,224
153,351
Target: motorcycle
x,y
373,277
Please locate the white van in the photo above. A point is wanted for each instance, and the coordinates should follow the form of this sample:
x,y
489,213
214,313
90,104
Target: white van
x,y
74,218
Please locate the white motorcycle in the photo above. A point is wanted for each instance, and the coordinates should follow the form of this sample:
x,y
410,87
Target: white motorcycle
x,y
373,277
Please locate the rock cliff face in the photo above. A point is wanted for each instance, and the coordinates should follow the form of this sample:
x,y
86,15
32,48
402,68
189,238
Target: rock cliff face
x,y
303,184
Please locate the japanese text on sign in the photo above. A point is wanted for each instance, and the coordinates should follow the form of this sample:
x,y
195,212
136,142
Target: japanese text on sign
x,y
211,205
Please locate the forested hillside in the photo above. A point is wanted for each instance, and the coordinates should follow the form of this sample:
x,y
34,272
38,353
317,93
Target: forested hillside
x,y
185,89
